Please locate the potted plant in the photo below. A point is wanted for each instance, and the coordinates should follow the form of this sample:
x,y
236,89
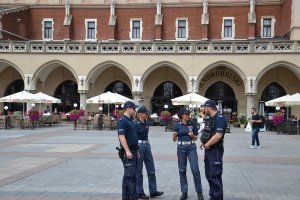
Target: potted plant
x,y
75,115
34,115
242,119
165,115
277,119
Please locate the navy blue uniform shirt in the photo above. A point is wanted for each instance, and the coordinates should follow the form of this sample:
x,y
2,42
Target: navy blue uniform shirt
x,y
126,127
142,130
219,125
184,129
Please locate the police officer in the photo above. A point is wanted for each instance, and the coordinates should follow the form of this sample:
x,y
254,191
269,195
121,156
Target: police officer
x,y
214,150
129,142
142,129
186,133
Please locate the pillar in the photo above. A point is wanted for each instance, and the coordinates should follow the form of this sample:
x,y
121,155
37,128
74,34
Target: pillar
x,y
138,98
83,99
250,104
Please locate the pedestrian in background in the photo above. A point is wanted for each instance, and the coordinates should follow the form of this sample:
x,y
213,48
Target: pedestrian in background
x,y
142,129
256,121
186,133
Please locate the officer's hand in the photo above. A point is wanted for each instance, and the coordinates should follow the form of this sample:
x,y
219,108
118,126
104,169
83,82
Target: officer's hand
x,y
206,146
129,154
174,136
201,146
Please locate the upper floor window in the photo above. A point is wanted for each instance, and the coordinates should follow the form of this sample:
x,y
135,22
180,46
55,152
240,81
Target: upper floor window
x,y
47,29
267,27
136,29
228,28
91,29
181,29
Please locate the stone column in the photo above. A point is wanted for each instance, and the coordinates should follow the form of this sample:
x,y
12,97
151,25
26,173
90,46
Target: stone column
x,y
138,98
295,20
83,94
112,20
251,20
205,20
158,21
250,103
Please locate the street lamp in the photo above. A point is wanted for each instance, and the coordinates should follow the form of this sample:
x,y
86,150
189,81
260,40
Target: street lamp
x,y
166,106
75,105
7,119
32,105
100,125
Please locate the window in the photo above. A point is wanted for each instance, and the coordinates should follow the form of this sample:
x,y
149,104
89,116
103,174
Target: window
x,y
47,29
228,28
181,29
91,29
135,29
267,27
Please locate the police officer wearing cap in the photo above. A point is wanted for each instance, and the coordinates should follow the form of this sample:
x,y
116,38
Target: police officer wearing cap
x,y
142,129
129,142
214,150
186,133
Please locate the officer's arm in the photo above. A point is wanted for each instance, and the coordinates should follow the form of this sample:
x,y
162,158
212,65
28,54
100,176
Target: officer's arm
x,y
123,142
213,140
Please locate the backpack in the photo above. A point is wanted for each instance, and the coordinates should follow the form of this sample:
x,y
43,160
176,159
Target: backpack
x,y
263,120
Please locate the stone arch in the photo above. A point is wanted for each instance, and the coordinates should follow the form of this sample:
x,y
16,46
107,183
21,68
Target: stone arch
x,y
11,64
44,70
98,69
291,66
231,66
163,64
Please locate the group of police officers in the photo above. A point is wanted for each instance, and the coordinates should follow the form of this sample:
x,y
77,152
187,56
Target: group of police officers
x,y
135,150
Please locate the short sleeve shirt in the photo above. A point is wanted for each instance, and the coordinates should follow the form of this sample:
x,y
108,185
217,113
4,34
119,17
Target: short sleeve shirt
x,y
142,130
126,127
255,124
184,129
220,124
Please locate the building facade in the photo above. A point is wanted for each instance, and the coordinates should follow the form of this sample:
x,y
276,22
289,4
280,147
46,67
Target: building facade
x,y
237,51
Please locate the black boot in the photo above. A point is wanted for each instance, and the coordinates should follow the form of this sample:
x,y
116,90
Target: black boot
x,y
156,194
183,196
200,196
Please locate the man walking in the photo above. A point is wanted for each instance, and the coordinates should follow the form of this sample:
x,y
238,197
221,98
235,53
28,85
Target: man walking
x,y
142,129
214,150
129,143
256,121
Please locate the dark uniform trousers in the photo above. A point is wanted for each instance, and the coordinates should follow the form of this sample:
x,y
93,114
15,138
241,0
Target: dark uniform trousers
x,y
129,178
213,160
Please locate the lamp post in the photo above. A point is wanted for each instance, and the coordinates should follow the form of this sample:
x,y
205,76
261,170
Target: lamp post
x,y
227,113
100,118
32,121
75,105
7,119
166,108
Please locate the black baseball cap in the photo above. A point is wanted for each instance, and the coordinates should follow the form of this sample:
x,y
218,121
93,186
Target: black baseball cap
x,y
129,104
184,111
210,103
143,109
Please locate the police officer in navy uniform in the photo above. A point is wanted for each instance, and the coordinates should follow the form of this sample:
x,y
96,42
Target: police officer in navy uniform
x,y
129,142
186,133
214,150
142,129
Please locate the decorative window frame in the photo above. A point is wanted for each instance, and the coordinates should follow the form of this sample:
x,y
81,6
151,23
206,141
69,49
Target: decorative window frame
x,y
233,29
43,33
186,28
273,21
86,30
131,28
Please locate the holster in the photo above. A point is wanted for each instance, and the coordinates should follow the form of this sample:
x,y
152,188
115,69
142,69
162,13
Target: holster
x,y
121,151
205,136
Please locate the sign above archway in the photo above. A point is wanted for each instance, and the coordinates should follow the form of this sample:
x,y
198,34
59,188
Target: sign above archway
x,y
221,73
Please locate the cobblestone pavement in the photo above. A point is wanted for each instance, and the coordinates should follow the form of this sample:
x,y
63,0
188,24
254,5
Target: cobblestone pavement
x,y
58,163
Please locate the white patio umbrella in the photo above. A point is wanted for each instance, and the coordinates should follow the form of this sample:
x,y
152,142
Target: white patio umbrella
x,y
108,97
191,98
21,97
47,98
277,102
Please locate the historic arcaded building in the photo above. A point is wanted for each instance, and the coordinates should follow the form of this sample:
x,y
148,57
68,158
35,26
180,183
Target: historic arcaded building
x,y
238,51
